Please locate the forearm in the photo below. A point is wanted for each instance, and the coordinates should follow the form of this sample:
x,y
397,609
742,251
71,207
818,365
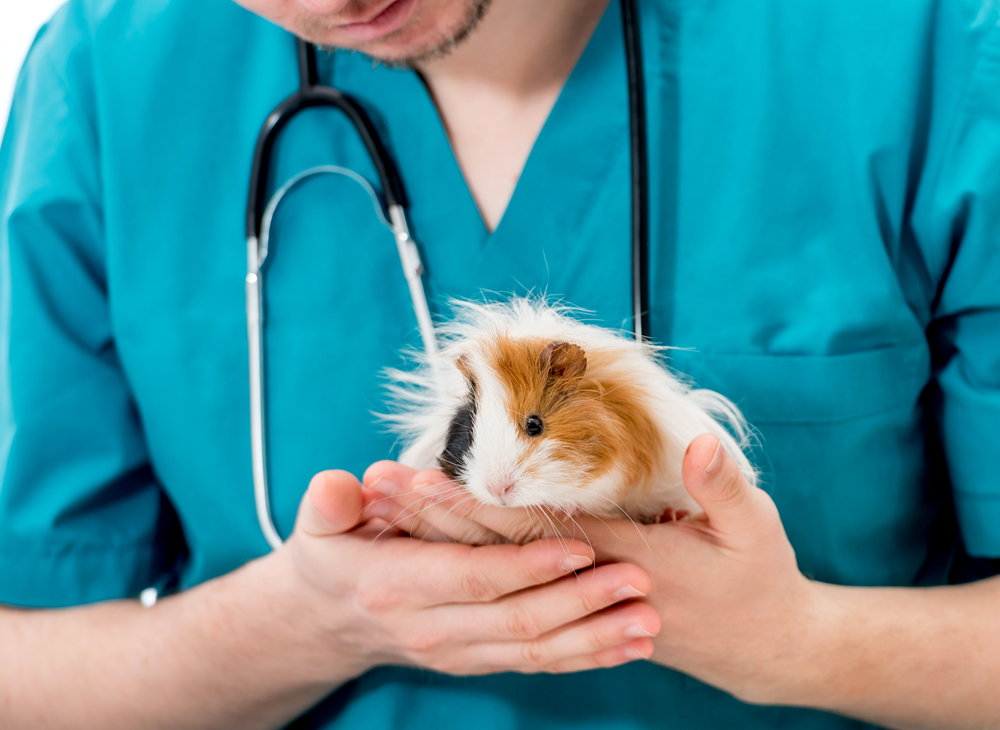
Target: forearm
x,y
911,659
225,654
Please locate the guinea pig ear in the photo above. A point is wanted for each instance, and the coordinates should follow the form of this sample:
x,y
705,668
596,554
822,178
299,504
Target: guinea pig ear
x,y
462,363
563,360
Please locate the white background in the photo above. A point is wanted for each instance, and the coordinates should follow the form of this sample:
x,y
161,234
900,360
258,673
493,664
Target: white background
x,y
19,21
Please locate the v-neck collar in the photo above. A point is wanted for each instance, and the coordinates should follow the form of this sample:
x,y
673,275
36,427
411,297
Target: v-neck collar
x,y
584,139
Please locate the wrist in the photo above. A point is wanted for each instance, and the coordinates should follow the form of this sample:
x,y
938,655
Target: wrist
x,y
312,624
794,667
819,630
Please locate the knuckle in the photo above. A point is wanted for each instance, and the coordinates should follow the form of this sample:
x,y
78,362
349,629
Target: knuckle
x,y
476,587
559,667
733,489
533,656
423,643
374,598
591,601
522,534
595,641
520,624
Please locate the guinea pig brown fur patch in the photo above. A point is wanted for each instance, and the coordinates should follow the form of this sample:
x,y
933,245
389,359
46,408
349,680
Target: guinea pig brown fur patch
x,y
593,414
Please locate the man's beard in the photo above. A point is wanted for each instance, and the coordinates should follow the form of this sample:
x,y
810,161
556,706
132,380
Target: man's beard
x,y
439,47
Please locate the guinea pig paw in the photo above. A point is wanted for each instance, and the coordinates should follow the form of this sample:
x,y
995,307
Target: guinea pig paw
x,y
671,515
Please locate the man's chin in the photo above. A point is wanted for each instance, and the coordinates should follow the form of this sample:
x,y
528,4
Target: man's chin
x,y
400,55
407,47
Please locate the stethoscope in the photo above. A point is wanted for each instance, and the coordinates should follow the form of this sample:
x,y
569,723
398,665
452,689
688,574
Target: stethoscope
x,y
260,213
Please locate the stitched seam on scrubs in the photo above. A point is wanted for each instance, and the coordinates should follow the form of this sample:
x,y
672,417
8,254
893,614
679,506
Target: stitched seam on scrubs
x,y
964,101
792,421
803,356
52,550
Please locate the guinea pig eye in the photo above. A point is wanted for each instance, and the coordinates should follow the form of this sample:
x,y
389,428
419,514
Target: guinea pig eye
x,y
533,426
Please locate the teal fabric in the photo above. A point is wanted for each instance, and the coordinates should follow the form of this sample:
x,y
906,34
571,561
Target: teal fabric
x,y
825,228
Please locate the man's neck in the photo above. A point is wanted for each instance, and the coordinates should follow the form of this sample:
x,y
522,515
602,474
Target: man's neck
x,y
496,89
521,47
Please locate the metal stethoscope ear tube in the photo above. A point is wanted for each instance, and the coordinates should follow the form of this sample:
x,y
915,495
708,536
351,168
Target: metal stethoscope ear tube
x,y
260,212
257,248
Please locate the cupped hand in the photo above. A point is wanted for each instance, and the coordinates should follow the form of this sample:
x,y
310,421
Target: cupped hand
x,y
735,610
371,595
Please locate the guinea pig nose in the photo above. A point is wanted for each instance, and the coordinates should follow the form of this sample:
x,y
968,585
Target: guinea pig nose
x,y
501,489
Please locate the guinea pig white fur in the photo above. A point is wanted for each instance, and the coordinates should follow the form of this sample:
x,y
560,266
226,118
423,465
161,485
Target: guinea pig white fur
x,y
527,406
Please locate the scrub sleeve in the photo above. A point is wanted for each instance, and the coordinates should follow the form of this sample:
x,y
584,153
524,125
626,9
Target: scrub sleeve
x,y
82,517
956,223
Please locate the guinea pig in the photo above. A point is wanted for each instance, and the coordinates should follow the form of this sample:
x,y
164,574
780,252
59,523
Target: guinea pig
x,y
526,406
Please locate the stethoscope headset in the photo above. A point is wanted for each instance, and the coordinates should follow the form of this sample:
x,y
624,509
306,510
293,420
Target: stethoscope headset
x,y
260,212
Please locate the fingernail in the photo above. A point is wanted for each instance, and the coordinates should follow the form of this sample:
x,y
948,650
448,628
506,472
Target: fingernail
x,y
636,631
716,460
385,486
633,653
629,591
574,562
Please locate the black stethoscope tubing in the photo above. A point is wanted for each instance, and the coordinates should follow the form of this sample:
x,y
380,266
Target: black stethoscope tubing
x,y
311,95
639,169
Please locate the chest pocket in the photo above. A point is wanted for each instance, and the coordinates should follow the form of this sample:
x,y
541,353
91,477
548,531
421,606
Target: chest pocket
x,y
813,389
841,445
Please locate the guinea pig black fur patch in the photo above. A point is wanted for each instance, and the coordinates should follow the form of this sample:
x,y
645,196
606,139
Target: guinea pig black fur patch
x,y
459,439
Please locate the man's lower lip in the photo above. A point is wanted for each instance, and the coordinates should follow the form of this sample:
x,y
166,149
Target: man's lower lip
x,y
389,20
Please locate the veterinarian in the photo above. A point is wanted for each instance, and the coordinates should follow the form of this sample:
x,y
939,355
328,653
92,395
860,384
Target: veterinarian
x,y
823,225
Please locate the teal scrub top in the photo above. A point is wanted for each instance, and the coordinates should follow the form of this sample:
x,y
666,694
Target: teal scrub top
x,y
825,227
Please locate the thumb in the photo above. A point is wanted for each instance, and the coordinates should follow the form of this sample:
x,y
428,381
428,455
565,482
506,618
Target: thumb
x,y
331,505
716,483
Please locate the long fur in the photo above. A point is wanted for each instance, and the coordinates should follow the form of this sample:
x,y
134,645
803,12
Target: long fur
x,y
624,455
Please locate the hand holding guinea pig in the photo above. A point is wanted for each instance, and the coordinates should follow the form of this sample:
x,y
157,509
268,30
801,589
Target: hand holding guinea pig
x,y
735,611
349,581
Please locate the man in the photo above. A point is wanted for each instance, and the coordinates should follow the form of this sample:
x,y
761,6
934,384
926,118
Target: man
x,y
824,219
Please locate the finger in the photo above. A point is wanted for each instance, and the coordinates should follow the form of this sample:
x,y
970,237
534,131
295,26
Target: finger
x,y
417,515
574,643
630,651
388,477
424,515
483,574
614,539
331,505
534,612
716,483
516,524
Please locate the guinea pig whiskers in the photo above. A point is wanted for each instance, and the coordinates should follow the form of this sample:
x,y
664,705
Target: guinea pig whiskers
x,y
382,499
406,513
534,527
447,511
564,546
579,527
560,539
637,530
